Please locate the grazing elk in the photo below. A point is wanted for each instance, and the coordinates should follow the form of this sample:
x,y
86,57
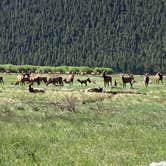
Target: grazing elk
x,y
69,79
32,90
38,79
56,81
1,80
107,79
84,81
158,77
146,79
43,79
129,79
22,78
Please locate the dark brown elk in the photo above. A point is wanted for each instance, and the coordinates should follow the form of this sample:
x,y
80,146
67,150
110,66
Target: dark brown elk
x,y
115,83
128,79
107,79
32,90
84,81
43,79
97,90
56,81
22,78
1,80
158,77
146,79
69,79
38,79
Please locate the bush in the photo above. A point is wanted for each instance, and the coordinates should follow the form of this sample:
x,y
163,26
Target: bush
x,y
61,69
85,69
46,69
73,69
101,69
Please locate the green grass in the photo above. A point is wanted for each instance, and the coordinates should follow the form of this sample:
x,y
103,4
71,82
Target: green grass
x,y
103,129
47,69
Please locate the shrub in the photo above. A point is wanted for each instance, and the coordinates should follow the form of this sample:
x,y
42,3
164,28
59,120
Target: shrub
x,y
85,69
101,69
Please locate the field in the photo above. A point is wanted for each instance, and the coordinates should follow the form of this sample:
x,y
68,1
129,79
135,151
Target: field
x,y
66,126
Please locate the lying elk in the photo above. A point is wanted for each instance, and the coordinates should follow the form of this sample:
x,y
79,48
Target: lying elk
x,y
146,79
32,90
69,79
84,81
158,77
107,79
129,79
56,81
1,80
97,90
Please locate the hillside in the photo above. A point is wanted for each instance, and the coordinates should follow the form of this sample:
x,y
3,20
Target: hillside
x,y
126,35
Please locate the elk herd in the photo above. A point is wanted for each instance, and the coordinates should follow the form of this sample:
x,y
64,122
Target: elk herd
x,y
59,81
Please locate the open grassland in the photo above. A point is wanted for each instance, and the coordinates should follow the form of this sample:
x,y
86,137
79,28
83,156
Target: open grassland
x,y
65,126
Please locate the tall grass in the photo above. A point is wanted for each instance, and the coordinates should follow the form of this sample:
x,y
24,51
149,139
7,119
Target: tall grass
x,y
64,126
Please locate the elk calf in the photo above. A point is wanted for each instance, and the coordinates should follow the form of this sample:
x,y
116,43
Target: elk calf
x,y
84,81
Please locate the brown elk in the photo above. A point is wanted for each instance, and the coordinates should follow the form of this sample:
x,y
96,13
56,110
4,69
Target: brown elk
x,y
43,79
107,79
32,90
146,79
69,79
115,83
84,81
158,77
129,79
38,79
56,81
1,80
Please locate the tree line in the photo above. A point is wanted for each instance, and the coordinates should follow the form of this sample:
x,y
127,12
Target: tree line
x,y
125,35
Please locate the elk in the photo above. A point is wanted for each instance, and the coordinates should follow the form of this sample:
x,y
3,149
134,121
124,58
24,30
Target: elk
x,y
146,79
129,79
56,81
69,79
32,90
38,79
1,80
158,77
22,78
84,81
107,79
97,90
115,83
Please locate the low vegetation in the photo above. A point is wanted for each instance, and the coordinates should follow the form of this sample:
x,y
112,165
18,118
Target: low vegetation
x,y
67,126
50,69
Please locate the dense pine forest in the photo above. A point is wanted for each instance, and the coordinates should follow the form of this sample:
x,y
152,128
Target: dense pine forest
x,y
125,35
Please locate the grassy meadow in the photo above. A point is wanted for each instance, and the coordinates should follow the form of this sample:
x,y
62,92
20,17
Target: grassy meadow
x,y
66,126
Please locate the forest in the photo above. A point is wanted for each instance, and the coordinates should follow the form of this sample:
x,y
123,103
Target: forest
x,y
124,35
